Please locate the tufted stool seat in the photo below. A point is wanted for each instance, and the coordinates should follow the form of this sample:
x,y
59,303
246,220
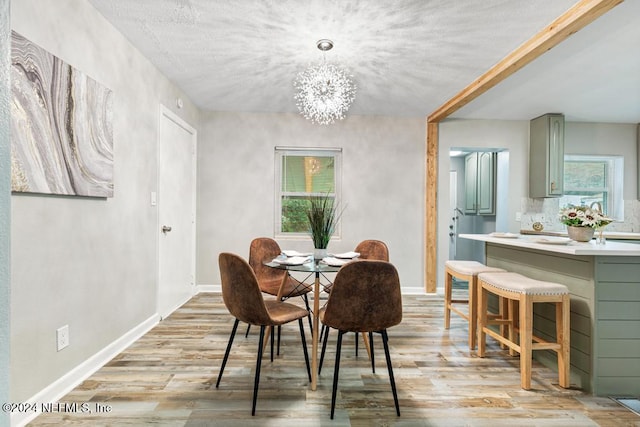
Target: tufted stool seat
x,y
516,288
467,271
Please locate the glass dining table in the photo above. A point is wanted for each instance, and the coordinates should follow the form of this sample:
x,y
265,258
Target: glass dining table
x,y
317,269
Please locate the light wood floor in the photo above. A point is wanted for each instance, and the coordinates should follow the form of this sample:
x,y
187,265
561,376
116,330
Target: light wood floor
x,y
167,378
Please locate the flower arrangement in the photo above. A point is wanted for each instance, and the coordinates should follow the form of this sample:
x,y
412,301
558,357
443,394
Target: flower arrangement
x,y
582,216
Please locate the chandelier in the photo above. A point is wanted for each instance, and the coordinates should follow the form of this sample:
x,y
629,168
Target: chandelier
x,y
324,92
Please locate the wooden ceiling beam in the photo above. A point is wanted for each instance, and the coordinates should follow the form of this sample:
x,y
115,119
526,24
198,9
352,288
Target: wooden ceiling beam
x,y
577,17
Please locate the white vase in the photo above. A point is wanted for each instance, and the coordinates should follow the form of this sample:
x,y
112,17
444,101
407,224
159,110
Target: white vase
x,y
318,254
580,234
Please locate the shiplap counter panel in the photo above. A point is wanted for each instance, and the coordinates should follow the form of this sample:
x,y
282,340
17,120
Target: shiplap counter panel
x,y
617,332
605,307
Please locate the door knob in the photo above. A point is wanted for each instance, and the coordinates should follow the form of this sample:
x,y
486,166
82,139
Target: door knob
x,y
166,228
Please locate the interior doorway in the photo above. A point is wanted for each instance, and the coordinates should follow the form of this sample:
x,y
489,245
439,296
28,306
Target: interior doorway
x,y
463,219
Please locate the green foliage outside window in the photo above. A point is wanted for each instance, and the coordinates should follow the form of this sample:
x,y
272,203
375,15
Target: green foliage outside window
x,y
294,215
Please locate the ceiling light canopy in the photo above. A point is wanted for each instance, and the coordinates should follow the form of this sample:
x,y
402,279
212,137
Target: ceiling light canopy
x,y
324,91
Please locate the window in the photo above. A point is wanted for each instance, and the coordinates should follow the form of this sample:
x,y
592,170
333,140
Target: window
x,y
594,179
301,173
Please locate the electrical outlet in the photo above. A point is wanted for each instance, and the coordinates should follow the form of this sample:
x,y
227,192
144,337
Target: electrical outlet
x,y
62,337
518,216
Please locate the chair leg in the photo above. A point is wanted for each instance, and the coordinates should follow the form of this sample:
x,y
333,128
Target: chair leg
x,y
306,303
226,353
258,363
511,313
526,341
246,334
272,336
473,312
562,333
482,320
385,341
357,337
324,346
304,348
336,370
279,330
373,362
448,282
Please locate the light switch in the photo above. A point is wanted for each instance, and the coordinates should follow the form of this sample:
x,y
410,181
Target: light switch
x,y
154,198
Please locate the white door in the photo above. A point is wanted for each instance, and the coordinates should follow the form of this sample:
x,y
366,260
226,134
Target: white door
x,y
176,212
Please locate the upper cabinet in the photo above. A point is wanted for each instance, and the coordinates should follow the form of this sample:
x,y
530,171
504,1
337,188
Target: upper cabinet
x,y
480,183
546,156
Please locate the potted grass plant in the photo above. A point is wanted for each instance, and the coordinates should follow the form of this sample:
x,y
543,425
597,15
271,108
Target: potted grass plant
x,y
323,217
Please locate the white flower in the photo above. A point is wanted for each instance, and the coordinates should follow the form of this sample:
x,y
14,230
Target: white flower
x,y
582,216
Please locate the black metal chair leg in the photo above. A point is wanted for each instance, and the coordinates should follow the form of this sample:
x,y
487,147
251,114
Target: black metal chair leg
x,y
373,360
279,330
335,373
357,338
324,346
226,353
306,303
258,363
385,341
304,348
272,336
246,334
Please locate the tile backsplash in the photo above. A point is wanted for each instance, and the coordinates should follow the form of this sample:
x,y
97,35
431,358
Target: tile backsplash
x,y
546,211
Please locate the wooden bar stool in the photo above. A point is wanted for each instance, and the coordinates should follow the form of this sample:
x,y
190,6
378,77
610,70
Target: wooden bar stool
x,y
467,271
516,288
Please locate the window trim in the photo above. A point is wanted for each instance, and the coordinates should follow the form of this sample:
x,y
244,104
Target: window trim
x,y
279,153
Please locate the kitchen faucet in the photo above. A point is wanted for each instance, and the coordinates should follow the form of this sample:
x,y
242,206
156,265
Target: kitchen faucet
x,y
598,206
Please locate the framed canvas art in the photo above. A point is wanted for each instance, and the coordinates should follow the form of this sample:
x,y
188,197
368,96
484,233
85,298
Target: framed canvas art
x,y
61,126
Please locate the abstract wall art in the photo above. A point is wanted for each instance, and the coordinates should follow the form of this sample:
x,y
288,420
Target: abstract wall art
x,y
61,126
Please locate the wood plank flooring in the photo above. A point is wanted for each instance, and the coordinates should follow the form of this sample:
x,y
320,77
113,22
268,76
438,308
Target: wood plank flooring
x,y
167,378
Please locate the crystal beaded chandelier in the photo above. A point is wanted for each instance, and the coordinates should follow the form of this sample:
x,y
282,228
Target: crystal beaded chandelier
x,y
324,92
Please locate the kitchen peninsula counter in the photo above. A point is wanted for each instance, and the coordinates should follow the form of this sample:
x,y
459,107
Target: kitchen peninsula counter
x,y
573,248
610,235
604,282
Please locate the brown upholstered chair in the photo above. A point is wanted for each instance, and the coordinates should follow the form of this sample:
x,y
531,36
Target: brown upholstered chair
x,y
365,297
265,249
368,249
373,249
244,300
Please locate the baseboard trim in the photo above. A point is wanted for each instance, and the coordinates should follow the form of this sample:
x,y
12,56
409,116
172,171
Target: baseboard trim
x,y
59,388
406,290
208,288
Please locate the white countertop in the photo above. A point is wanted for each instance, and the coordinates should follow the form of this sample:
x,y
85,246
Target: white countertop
x,y
572,248
616,235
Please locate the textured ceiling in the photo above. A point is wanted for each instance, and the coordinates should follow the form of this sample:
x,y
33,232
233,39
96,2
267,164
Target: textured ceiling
x,y
407,56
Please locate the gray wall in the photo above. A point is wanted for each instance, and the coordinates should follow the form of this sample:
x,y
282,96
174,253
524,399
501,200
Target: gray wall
x,y
383,184
5,208
87,263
